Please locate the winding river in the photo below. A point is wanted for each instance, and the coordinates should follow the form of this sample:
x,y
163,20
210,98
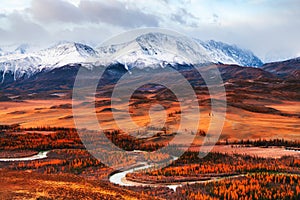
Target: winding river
x,y
40,155
119,178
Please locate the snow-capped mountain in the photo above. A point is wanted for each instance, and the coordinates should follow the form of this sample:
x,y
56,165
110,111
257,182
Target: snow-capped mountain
x,y
26,64
65,53
22,49
230,54
155,50
148,50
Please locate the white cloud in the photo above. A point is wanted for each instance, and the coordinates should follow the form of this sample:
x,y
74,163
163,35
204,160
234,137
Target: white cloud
x,y
13,5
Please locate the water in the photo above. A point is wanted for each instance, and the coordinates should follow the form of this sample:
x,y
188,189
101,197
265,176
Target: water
x,y
40,155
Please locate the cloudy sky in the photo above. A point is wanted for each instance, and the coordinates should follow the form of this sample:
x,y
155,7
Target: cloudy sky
x,y
270,28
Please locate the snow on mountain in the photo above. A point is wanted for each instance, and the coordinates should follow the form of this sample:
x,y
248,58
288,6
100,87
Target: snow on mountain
x,y
230,54
148,50
27,64
154,50
65,53
22,49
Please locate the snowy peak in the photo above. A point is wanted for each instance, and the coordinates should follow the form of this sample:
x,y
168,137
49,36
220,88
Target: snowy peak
x,y
85,50
158,43
23,64
155,50
149,50
230,54
22,49
65,53
69,48
152,49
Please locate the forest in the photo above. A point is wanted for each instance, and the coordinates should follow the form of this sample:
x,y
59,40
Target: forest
x,y
216,176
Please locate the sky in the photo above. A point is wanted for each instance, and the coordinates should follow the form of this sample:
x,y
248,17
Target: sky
x,y
269,28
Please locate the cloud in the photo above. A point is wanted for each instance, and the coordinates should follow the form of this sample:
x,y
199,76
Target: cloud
x,y
182,16
89,34
110,12
55,11
3,34
21,28
215,18
117,13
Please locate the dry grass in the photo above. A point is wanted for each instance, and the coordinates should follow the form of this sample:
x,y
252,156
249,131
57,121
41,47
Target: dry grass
x,y
271,152
30,185
239,124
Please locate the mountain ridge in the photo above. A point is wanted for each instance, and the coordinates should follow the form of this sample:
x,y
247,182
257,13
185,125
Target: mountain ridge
x,y
232,51
151,51
289,69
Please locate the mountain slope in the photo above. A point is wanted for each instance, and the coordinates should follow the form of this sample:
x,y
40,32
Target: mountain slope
x,y
156,48
22,49
285,69
149,50
230,54
24,65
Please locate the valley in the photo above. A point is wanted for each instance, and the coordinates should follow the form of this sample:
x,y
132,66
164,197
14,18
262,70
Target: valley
x,y
70,172
64,140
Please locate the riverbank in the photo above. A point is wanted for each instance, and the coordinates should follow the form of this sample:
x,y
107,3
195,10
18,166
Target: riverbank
x,y
128,178
17,153
40,155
